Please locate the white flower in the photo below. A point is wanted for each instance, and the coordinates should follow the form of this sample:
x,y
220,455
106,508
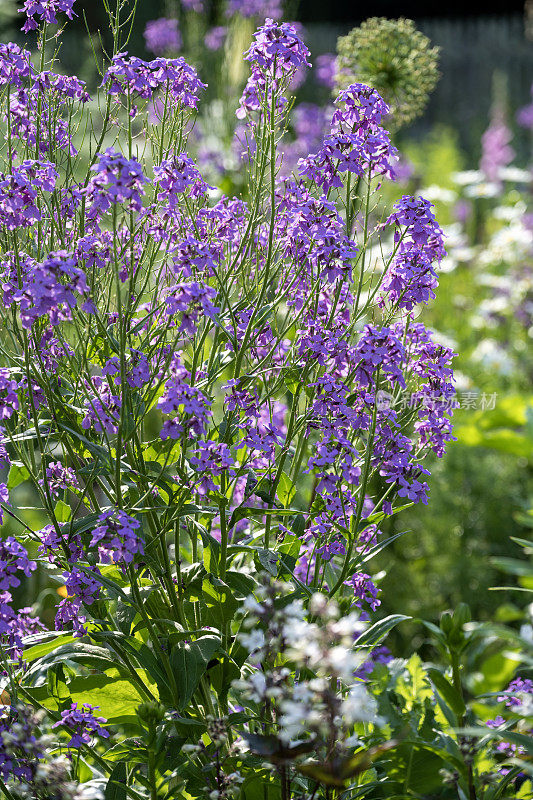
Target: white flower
x,y
359,706
437,194
467,177
489,353
255,640
515,174
485,189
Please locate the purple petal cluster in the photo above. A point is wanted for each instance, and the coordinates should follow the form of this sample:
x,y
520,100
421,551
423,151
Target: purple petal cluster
x,y
277,49
357,142
134,77
9,401
191,300
117,537
117,180
212,459
162,35
46,11
83,588
102,407
13,558
191,408
49,290
174,176
20,749
19,191
59,478
261,9
83,723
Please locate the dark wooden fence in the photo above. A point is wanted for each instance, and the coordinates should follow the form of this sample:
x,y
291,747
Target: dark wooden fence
x,y
473,51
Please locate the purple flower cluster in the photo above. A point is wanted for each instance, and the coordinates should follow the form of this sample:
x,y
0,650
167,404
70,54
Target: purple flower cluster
x,y
357,142
162,35
19,192
59,478
83,588
277,49
261,9
364,589
175,176
117,537
191,300
517,687
15,65
14,626
55,544
103,407
191,407
13,558
48,290
215,37
411,278
326,69
46,10
83,723
131,76
9,401
20,749
496,149
212,459
117,180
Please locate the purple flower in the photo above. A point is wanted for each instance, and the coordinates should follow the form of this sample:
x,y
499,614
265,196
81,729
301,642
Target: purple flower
x,y
54,545
19,191
255,8
212,459
13,558
103,407
9,401
49,289
46,10
59,479
364,589
176,175
215,37
193,5
84,724
14,626
117,537
357,142
277,49
162,35
5,459
517,687
20,749
191,300
326,69
117,180
140,78
496,149
191,406
15,65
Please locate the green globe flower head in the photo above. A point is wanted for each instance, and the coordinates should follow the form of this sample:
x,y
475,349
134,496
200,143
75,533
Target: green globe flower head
x,y
395,58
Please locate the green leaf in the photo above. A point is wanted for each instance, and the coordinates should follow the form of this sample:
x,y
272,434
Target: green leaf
x,y
448,692
267,560
116,785
286,490
43,648
17,475
379,630
62,511
189,662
